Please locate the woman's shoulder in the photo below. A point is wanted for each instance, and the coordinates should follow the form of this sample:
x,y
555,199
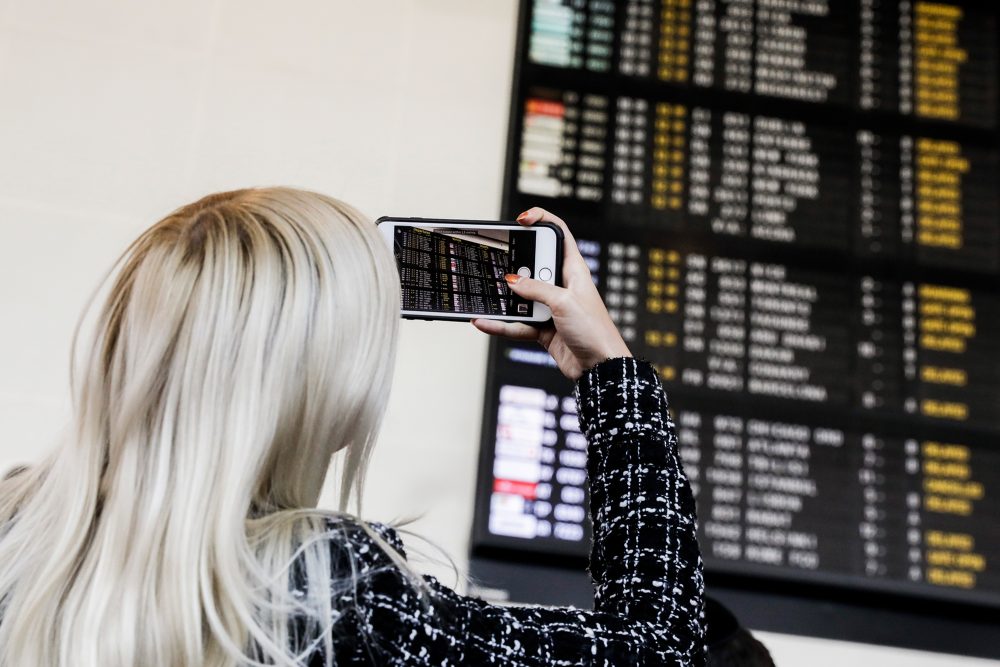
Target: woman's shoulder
x,y
389,535
362,545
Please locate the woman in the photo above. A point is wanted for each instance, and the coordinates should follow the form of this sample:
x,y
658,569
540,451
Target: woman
x,y
245,339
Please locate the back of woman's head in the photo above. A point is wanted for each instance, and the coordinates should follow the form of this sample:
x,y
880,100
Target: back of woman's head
x,y
244,339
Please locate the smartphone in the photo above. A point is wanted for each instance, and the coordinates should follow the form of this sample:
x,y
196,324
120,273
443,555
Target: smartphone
x,y
454,269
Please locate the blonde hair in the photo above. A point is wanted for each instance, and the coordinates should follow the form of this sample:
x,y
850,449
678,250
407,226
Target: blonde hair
x,y
246,338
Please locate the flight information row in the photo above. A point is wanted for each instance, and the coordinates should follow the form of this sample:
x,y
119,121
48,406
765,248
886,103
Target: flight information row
x,y
769,492
931,60
669,166
726,325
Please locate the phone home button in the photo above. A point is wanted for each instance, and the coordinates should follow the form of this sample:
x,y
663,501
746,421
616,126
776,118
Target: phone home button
x,y
545,274
524,272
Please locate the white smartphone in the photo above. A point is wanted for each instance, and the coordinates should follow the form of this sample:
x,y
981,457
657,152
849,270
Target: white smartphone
x,y
454,269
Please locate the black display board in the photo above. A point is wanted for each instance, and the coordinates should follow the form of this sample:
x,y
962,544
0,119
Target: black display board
x,y
791,209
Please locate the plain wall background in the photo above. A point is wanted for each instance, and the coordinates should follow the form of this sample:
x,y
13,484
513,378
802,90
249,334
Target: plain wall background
x,y
112,113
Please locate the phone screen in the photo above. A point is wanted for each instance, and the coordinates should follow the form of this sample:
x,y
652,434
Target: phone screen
x,y
461,270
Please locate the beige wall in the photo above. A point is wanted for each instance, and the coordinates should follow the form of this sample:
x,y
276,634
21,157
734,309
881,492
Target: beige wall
x,y
114,112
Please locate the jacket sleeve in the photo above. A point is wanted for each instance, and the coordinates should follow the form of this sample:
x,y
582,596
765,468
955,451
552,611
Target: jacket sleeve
x,y
645,562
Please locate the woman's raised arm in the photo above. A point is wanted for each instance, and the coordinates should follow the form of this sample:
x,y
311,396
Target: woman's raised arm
x,y
645,563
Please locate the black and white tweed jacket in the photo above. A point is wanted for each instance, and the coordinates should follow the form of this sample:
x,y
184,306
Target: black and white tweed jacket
x,y
645,562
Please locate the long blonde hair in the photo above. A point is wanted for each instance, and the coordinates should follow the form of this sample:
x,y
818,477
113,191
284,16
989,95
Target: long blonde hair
x,y
245,339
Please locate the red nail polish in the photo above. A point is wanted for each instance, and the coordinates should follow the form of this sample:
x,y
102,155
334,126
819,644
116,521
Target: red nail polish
x,y
522,216
511,278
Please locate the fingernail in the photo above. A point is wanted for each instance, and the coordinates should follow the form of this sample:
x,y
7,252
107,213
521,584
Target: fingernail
x,y
511,278
522,216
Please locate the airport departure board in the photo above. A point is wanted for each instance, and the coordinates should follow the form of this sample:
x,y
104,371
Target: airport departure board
x,y
791,209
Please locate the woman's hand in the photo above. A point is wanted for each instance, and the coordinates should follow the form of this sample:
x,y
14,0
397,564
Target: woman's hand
x,y
581,334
